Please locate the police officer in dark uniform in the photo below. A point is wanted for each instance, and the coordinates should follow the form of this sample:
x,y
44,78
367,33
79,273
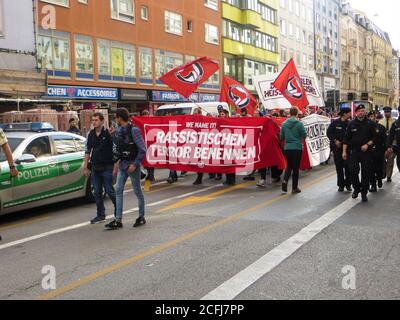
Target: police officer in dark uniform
x,y
378,154
336,134
394,141
357,147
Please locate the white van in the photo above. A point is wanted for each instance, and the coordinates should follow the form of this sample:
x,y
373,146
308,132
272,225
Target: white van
x,y
188,108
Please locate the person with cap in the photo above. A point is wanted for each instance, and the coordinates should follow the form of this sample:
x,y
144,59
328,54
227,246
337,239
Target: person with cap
x,y
393,142
388,122
336,133
357,147
378,154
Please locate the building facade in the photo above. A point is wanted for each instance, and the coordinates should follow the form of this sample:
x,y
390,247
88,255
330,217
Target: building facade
x,y
250,31
327,49
356,56
19,77
383,55
394,79
105,52
296,20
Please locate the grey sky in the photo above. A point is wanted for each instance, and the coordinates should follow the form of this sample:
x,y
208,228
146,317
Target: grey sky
x,y
385,14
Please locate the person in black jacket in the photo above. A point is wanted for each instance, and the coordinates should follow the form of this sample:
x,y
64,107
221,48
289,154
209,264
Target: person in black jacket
x,y
99,164
73,127
394,141
357,147
336,134
378,154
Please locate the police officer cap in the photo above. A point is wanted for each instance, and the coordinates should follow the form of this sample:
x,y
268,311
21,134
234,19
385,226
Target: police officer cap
x,y
220,108
371,113
344,110
387,109
360,107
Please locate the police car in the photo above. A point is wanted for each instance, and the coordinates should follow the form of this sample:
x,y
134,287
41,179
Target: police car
x,y
50,166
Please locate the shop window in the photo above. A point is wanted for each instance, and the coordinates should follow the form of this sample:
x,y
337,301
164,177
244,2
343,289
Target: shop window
x,y
53,49
165,62
84,57
146,65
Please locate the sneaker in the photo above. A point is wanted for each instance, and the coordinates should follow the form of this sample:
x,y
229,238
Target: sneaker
x,y
249,178
364,198
197,183
114,225
355,194
389,180
380,184
97,220
284,187
261,183
373,189
349,189
341,189
296,191
139,222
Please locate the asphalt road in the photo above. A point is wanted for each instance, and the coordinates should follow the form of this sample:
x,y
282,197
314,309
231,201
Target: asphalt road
x,y
212,242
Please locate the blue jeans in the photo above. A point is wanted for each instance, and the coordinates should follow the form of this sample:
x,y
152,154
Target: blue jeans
x,y
103,180
121,181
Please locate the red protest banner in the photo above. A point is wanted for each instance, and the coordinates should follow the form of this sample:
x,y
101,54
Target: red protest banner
x,y
210,145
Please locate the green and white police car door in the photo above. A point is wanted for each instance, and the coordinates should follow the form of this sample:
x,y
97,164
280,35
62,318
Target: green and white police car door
x,y
37,180
69,157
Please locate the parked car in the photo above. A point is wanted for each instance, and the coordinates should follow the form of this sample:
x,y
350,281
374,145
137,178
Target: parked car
x,y
50,166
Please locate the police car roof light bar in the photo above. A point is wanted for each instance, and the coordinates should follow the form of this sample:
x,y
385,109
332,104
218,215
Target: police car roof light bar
x,y
29,126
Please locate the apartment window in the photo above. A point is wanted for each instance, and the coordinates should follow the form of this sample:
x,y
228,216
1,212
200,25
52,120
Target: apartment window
x,y
212,4
305,61
283,27
284,57
166,61
291,29
297,8
282,3
298,34
1,20
311,62
84,57
123,10
173,23
144,13
83,1
290,5
54,52
268,14
146,65
230,66
190,26
211,34
64,3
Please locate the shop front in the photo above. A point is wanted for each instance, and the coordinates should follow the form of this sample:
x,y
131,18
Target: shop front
x,y
160,98
134,100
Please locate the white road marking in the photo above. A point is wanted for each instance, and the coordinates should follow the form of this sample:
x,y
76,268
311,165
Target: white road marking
x,y
80,225
244,279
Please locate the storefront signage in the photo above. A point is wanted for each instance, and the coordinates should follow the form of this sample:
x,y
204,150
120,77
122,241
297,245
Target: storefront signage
x,y
85,93
133,95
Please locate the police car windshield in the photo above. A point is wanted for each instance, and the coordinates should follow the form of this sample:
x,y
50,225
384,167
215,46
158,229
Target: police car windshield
x,y
173,112
14,143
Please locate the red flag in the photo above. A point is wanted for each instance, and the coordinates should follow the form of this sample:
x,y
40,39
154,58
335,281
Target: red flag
x,y
187,78
289,84
236,94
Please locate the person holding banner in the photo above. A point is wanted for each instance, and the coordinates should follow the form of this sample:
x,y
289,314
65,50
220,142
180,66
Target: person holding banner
x,y
357,147
336,134
293,133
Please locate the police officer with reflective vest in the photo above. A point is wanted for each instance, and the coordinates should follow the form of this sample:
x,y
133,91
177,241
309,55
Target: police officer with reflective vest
x,y
336,134
129,152
357,147
378,154
394,141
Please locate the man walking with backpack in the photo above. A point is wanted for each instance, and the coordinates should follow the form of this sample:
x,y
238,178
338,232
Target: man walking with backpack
x,y
129,151
99,165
